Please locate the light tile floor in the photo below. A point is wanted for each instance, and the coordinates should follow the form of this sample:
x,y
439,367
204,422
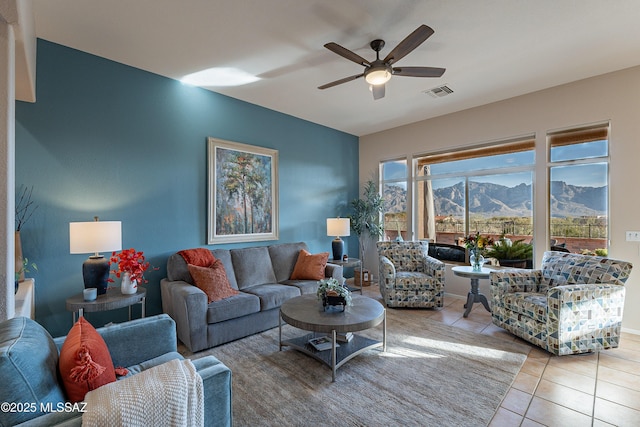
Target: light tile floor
x,y
595,389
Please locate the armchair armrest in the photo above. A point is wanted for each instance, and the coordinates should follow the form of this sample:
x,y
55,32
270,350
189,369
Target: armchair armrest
x,y
387,272
599,307
433,266
512,280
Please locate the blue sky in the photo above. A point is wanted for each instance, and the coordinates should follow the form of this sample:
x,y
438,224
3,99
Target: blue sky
x,y
592,175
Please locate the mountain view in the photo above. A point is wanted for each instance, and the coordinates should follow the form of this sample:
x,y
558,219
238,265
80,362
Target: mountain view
x,y
492,200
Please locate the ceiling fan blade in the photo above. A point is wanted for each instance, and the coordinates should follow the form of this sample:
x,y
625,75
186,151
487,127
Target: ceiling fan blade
x,y
346,53
411,42
378,91
418,71
339,82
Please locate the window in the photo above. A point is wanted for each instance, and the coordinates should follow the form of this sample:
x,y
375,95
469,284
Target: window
x,y
486,189
394,191
578,194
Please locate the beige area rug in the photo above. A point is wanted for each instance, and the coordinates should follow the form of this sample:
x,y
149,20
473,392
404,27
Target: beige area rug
x,y
431,375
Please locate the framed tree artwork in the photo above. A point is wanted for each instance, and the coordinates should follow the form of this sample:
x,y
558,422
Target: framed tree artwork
x,y
243,192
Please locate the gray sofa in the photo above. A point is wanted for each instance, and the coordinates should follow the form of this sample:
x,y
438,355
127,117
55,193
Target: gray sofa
x,y
261,274
29,366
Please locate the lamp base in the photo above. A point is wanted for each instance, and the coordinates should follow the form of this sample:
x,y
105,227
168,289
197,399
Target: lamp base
x,y
95,272
337,246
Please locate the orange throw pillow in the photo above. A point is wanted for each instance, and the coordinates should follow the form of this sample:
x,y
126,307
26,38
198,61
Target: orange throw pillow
x,y
213,281
85,362
310,267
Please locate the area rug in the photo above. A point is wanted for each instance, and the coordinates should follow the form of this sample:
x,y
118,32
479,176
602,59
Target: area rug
x,y
431,374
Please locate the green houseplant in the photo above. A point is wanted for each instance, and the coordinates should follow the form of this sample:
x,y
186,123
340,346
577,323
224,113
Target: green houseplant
x,y
365,221
511,254
332,288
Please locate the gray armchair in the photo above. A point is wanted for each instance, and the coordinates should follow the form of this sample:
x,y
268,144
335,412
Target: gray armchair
x,y
572,304
408,276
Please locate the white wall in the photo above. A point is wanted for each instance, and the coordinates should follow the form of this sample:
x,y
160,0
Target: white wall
x,y
614,96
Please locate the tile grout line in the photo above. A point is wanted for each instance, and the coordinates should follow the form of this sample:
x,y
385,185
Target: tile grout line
x,y
595,390
533,394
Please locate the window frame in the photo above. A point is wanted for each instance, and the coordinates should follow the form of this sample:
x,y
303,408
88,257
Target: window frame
x,y
576,135
505,146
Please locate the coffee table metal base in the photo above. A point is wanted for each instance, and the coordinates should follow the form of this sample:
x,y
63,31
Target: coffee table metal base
x,y
336,356
306,313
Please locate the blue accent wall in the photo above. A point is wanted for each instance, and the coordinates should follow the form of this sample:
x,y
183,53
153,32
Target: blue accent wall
x,y
127,145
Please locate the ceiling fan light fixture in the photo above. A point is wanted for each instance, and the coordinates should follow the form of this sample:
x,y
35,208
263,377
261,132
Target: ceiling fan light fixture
x,y
377,76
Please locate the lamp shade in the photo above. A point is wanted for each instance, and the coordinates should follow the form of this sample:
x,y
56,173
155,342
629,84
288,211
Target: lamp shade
x,y
338,227
95,236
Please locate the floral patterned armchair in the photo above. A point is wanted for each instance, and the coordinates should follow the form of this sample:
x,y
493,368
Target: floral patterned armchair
x,y
572,304
408,276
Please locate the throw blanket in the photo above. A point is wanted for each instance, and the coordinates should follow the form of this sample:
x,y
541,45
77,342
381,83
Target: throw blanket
x,y
170,394
202,257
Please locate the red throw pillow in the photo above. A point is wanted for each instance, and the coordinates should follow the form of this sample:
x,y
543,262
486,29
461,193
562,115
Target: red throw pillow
x,y
310,267
213,281
85,362
198,256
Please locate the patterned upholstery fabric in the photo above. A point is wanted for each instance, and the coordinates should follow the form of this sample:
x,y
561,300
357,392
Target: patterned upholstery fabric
x,y
573,304
409,277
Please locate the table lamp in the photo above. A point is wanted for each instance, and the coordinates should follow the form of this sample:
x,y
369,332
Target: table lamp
x,y
338,227
95,237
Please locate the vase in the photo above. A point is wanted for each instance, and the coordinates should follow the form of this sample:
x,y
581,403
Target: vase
x,y
128,286
476,259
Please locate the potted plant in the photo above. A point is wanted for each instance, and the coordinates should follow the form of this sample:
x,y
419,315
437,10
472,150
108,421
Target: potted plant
x,y
365,221
131,266
511,254
24,268
331,292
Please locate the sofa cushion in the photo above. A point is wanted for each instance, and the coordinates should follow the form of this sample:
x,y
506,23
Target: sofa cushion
x,y
177,269
29,363
224,255
85,362
284,257
232,307
213,281
252,266
310,267
273,295
305,286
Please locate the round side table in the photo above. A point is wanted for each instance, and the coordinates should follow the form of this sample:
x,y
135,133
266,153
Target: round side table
x,y
474,295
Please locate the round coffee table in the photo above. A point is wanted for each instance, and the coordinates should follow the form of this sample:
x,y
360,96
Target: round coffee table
x,y
306,312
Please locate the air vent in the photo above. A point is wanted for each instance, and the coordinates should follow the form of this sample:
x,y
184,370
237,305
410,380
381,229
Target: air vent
x,y
439,92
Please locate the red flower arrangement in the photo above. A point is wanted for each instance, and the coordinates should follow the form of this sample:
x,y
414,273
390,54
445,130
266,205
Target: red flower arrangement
x,y
132,262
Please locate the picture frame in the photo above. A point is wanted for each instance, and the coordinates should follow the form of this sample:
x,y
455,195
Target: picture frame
x,y
243,192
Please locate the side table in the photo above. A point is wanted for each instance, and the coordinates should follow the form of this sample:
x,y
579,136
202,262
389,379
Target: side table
x,y
350,262
474,295
110,301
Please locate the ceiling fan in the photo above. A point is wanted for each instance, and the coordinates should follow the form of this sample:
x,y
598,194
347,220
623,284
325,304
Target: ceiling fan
x,y
378,72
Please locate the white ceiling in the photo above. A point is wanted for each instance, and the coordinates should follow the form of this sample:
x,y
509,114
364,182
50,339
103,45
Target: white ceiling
x,y
492,49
